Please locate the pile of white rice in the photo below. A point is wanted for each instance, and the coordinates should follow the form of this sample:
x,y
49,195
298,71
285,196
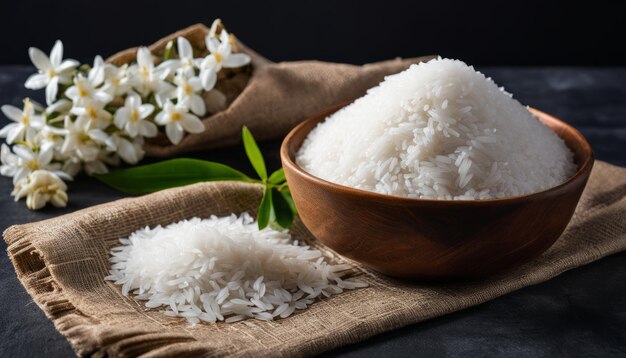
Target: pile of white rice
x,y
439,130
224,268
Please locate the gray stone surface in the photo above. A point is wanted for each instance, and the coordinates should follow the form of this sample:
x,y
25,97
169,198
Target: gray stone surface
x,y
580,313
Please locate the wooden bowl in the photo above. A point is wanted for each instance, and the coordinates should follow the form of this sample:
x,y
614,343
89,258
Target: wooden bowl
x,y
435,239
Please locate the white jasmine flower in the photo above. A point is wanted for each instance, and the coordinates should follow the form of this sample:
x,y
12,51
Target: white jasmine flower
x,y
132,117
116,79
185,64
52,70
187,94
221,56
95,113
26,122
9,161
50,137
143,76
82,139
85,89
177,119
221,53
28,161
130,151
41,187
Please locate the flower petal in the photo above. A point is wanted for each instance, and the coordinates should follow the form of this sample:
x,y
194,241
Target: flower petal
x,y
66,65
12,112
88,152
192,124
39,59
144,57
127,152
224,49
195,83
197,105
37,121
165,92
236,60
145,110
56,55
208,78
184,48
98,135
96,167
16,133
102,96
7,170
96,74
161,118
36,200
132,100
20,174
63,175
60,106
147,129
23,152
214,26
79,111
51,90
36,81
174,132
45,157
6,157
29,134
72,92
69,144
212,44
169,66
59,199
224,37
132,128
122,116
4,132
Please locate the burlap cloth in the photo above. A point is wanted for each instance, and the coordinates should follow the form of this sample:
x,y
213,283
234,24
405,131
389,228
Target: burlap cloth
x,y
277,97
62,262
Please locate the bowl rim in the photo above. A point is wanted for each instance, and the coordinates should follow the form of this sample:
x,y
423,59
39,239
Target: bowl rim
x,y
584,169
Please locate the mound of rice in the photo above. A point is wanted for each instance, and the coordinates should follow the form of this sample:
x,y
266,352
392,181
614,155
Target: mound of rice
x,y
224,269
439,130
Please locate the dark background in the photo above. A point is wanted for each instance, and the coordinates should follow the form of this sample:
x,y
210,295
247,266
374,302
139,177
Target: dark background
x,y
480,33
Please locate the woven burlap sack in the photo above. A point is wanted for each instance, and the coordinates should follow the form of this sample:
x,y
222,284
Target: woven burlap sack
x,y
277,97
62,263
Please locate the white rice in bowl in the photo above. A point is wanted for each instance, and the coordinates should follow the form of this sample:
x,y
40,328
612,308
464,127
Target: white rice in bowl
x,y
439,130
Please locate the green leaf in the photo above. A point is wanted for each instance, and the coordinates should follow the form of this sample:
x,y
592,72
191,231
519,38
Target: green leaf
x,y
265,209
254,154
168,174
282,210
287,195
277,177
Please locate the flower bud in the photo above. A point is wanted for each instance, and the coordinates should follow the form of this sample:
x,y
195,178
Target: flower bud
x,y
39,188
